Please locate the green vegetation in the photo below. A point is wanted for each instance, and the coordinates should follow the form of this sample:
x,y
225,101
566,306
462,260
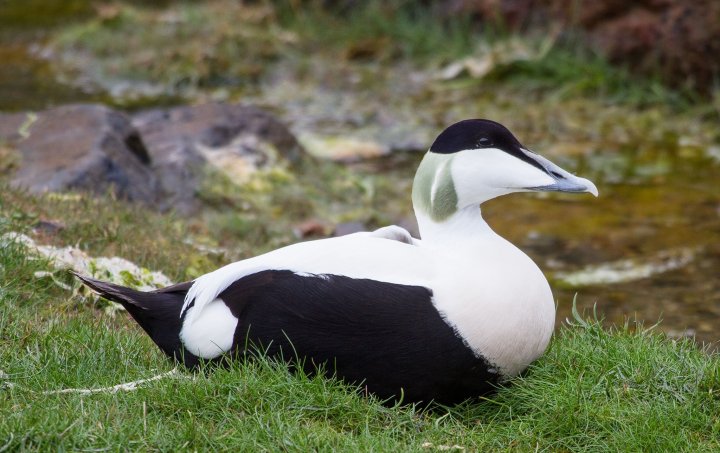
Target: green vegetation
x,y
261,214
596,389
199,46
102,227
567,71
385,31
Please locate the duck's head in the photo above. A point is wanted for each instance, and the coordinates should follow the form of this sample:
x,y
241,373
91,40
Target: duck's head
x,y
476,160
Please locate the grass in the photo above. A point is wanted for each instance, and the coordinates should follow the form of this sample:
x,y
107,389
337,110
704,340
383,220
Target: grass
x,y
378,30
274,202
571,70
193,48
626,388
102,227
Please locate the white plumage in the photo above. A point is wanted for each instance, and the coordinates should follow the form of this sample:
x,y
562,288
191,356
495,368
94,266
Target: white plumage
x,y
493,294
443,318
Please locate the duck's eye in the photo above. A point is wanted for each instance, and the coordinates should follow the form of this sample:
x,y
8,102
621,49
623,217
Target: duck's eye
x,y
484,142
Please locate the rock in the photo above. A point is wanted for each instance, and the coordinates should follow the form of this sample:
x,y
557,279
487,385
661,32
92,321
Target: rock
x,y
310,228
342,149
235,139
158,157
80,147
10,126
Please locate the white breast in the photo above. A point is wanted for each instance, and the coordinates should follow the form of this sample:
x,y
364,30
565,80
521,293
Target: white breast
x,y
498,301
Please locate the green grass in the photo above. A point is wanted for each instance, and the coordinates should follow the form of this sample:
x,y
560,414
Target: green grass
x,y
569,70
379,30
194,47
595,389
104,227
261,214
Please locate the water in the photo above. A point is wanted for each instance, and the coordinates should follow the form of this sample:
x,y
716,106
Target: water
x,y
26,79
28,83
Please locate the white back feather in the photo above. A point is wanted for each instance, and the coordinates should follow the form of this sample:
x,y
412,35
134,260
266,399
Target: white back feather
x,y
352,256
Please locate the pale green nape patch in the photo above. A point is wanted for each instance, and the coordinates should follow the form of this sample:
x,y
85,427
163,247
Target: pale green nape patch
x,y
433,188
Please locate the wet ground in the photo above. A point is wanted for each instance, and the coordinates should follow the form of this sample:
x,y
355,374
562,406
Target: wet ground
x,y
648,248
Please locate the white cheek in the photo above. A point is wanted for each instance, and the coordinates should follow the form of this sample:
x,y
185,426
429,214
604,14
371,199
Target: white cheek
x,y
211,332
480,175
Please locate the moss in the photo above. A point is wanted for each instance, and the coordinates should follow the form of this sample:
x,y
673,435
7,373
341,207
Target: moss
x,y
9,159
192,45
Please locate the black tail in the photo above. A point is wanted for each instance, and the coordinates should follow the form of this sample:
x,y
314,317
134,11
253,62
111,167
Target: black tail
x,y
157,312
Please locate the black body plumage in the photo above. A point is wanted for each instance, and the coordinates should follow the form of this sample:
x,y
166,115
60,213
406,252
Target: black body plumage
x,y
386,337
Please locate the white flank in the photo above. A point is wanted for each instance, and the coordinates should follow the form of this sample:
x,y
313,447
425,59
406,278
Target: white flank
x,y
211,333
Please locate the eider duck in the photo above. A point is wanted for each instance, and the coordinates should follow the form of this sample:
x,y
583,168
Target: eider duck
x,y
443,318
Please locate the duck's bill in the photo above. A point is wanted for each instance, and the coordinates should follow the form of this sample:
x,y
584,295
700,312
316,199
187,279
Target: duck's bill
x,y
564,180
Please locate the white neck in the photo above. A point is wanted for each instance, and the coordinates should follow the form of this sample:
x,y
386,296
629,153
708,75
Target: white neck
x,y
463,226
478,291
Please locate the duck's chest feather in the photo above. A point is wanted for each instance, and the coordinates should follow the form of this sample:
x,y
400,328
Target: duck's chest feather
x,y
387,337
500,304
